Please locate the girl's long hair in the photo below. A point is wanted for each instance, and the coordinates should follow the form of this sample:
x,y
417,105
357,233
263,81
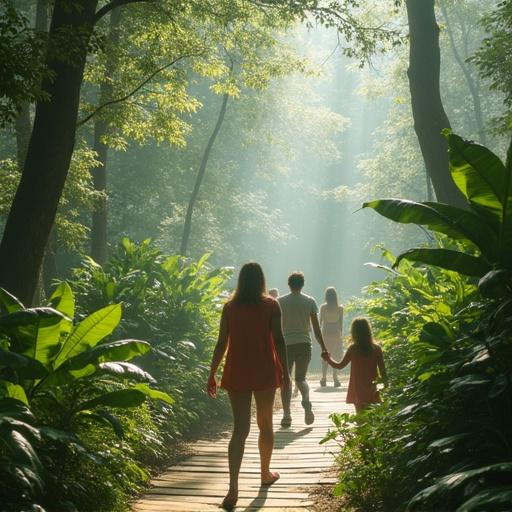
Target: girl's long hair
x,y
251,284
362,336
331,297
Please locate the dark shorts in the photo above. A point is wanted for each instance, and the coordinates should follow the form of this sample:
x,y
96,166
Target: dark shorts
x,y
300,355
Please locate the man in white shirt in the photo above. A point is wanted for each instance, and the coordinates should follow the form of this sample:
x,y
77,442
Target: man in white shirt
x,y
299,314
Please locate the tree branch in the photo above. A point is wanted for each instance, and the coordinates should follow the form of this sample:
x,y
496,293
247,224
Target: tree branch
x,y
131,93
113,5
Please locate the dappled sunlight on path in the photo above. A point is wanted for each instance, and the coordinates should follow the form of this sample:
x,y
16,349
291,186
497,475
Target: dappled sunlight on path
x,y
201,481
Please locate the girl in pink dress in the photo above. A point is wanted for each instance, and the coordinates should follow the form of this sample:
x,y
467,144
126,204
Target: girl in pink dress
x,y
367,361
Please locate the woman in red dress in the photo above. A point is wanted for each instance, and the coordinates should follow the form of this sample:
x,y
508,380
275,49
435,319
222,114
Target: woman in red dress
x,y
366,358
250,331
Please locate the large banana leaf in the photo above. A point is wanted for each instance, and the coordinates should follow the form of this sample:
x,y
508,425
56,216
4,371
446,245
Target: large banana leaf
x,y
9,303
124,370
449,220
497,499
457,482
63,300
89,332
123,350
17,435
14,391
25,367
449,260
88,362
34,332
155,394
480,175
487,184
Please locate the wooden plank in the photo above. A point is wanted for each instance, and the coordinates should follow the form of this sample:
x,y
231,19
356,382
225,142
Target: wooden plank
x,y
200,482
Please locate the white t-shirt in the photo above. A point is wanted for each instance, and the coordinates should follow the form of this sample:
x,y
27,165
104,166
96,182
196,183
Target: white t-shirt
x,y
296,309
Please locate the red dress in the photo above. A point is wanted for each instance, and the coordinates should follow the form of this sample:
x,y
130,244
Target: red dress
x,y
363,373
251,361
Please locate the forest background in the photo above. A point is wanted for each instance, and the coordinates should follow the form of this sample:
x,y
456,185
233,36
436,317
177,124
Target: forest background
x,y
177,140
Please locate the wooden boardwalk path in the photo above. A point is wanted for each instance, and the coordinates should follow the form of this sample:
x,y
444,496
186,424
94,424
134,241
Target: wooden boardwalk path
x,y
200,482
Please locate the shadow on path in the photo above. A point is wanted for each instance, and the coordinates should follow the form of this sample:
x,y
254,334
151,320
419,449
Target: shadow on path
x,y
285,436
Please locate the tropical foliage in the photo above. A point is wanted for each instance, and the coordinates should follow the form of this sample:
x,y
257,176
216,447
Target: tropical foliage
x,y
59,378
174,303
444,431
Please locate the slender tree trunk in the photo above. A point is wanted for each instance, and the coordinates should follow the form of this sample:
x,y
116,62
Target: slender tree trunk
x,y
23,127
99,238
50,270
470,81
49,153
42,16
200,175
427,108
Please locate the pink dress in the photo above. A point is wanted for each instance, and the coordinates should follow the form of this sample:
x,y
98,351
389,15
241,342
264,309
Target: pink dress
x,y
363,373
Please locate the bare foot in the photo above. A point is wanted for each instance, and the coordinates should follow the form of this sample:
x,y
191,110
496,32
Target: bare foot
x,y
270,478
229,502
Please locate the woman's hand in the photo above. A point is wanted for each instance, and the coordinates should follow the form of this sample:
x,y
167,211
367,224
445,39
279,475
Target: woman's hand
x,y
325,355
211,387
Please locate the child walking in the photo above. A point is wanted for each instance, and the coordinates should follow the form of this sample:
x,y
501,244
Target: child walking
x,y
367,361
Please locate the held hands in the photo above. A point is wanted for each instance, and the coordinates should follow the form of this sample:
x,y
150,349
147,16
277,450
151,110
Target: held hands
x,y
327,357
211,387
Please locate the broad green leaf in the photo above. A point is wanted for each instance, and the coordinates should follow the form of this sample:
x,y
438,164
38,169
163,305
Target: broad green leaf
x,y
14,391
125,370
62,436
123,350
494,499
10,407
63,300
496,283
456,482
468,381
34,332
480,175
89,332
20,447
155,394
442,218
445,442
506,231
123,398
25,367
447,259
9,303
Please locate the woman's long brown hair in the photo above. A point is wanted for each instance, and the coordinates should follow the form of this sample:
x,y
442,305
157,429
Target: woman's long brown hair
x,y
251,284
362,336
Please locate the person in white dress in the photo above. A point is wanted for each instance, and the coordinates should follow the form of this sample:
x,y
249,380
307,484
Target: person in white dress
x,y
331,323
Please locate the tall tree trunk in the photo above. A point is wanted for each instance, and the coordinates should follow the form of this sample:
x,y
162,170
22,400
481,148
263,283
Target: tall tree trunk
x,y
470,81
49,153
99,239
427,108
23,127
187,227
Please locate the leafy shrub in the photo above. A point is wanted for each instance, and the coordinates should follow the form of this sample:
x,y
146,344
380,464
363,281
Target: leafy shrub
x,y
59,380
444,432
174,303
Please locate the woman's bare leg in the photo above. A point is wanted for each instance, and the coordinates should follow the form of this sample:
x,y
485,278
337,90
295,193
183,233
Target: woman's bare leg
x,y
241,406
264,410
